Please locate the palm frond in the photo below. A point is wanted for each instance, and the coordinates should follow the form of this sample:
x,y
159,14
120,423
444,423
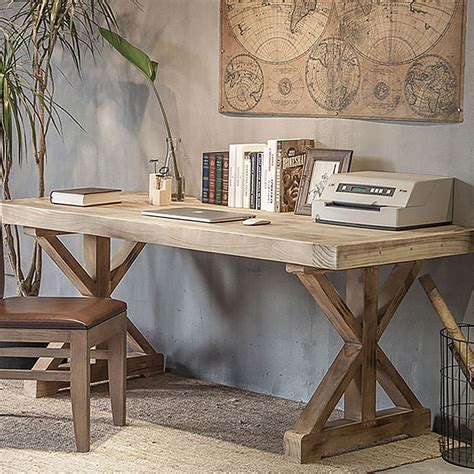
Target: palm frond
x,y
13,97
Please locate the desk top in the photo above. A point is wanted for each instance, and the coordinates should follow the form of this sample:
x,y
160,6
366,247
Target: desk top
x,y
289,239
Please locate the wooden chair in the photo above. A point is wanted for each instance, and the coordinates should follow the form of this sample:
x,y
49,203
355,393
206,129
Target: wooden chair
x,y
71,327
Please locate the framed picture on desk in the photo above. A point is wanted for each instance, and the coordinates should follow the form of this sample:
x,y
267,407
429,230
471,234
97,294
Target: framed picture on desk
x,y
320,163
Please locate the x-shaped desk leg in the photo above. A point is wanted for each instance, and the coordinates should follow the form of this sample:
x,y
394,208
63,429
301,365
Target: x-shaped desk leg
x,y
99,276
361,321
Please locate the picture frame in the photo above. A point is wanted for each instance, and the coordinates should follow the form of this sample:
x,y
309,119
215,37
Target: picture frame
x,y
320,163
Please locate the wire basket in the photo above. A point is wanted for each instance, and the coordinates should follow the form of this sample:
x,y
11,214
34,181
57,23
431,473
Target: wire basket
x,y
457,398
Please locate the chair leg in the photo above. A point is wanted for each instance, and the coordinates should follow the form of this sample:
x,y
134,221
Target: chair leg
x,y
117,346
80,389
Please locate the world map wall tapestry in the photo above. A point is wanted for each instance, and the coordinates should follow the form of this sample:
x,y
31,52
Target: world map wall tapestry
x,y
377,59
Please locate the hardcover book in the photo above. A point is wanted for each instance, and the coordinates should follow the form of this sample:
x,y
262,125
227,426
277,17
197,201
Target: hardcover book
x,y
205,177
225,178
246,180
290,180
212,178
285,168
232,174
267,194
84,197
219,170
258,183
253,180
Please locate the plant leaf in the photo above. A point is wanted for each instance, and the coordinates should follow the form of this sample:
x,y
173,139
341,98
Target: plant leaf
x,y
136,56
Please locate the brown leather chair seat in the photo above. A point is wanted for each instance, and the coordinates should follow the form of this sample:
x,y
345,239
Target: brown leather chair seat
x,y
57,313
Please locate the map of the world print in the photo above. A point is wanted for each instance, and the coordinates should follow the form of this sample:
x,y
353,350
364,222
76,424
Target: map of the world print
x,y
379,59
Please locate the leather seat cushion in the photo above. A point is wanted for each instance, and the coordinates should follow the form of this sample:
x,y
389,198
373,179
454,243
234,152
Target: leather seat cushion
x,y
57,313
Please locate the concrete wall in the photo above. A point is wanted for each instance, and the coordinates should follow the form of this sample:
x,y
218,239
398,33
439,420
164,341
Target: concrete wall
x,y
238,321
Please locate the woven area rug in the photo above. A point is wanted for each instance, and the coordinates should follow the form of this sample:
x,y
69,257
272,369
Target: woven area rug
x,y
176,425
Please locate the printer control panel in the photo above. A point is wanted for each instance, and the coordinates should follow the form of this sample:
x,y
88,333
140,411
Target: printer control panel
x,y
365,189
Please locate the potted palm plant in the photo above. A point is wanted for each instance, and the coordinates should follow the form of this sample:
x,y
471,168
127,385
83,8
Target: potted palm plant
x,y
30,33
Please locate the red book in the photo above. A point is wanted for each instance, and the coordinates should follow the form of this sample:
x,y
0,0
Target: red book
x,y
225,179
212,178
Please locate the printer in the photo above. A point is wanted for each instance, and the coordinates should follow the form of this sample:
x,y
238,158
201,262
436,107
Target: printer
x,y
381,200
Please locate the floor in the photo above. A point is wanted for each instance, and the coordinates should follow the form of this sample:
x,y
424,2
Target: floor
x,y
199,408
233,415
432,465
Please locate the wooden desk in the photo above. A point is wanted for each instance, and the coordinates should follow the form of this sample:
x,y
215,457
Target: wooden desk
x,y
309,251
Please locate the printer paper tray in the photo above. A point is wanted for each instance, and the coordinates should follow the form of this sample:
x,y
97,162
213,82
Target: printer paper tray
x,y
354,205
378,227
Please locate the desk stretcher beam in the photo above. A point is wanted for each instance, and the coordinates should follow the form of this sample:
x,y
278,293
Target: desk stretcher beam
x,y
99,277
360,321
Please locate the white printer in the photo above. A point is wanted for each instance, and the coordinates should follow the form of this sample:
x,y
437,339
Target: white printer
x,y
382,200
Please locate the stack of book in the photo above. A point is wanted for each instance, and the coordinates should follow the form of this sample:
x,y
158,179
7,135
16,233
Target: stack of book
x,y
215,177
262,176
245,175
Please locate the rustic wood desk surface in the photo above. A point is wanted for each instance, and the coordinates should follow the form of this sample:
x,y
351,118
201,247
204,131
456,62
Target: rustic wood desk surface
x,y
309,251
289,239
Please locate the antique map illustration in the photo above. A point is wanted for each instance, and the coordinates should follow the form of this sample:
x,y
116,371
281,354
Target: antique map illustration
x,y
380,59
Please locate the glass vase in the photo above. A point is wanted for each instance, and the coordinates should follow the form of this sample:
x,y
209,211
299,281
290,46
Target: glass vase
x,y
173,168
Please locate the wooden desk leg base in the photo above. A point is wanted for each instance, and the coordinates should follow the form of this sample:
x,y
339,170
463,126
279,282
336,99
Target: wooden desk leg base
x,y
360,320
304,448
100,276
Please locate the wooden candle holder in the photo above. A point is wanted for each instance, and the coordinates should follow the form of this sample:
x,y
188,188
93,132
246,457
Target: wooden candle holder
x,y
159,190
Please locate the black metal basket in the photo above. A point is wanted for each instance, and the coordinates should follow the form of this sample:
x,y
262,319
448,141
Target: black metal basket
x,y
457,398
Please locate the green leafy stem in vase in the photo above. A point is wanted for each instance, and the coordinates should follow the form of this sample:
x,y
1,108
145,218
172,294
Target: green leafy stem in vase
x,y
148,68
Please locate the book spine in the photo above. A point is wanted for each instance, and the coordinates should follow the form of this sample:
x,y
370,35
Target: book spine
x,y
219,169
239,174
258,183
278,164
247,172
271,174
212,178
205,177
225,179
264,187
253,180
232,165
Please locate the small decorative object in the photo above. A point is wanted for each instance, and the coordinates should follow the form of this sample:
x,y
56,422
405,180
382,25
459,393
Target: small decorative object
x,y
319,165
148,69
160,190
163,181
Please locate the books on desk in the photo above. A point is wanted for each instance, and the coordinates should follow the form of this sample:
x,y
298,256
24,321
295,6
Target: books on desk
x,y
243,164
282,173
259,176
215,177
84,197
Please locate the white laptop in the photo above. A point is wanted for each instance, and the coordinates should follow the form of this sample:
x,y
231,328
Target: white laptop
x,y
210,216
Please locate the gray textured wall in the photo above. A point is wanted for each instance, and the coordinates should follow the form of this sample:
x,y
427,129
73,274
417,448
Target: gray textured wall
x,y
237,321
